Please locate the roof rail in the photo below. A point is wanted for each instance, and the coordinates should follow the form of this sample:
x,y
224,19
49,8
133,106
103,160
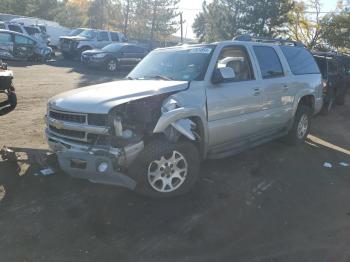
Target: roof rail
x,y
279,41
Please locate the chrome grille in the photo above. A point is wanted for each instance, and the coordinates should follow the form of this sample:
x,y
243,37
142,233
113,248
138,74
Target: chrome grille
x,y
69,117
68,133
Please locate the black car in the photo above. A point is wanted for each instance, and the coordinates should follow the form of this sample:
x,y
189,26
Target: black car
x,y
335,69
115,56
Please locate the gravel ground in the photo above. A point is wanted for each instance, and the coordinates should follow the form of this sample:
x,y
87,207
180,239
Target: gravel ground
x,y
272,203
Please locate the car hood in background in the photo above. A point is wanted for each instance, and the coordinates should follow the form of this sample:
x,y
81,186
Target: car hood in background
x,y
94,52
100,99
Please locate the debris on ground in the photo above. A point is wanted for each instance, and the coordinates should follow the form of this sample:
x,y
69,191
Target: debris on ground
x,y
8,154
344,164
327,165
47,171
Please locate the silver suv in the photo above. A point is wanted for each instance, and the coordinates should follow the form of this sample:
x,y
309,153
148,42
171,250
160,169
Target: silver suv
x,y
181,105
72,46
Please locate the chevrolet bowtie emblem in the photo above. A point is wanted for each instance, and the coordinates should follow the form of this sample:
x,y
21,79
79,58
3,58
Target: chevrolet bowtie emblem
x,y
57,124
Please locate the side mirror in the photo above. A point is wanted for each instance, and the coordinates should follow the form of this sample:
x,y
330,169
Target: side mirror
x,y
223,74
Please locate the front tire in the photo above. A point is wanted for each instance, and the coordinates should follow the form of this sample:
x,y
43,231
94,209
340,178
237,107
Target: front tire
x,y
301,126
166,169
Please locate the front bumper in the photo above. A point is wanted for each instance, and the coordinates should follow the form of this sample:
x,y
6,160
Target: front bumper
x,y
82,161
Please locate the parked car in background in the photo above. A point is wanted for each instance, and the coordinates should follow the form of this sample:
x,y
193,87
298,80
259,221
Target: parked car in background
x,y
74,46
8,98
17,46
114,56
53,30
32,31
180,105
335,69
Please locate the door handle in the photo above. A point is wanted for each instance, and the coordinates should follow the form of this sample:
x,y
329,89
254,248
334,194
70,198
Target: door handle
x,y
285,87
256,91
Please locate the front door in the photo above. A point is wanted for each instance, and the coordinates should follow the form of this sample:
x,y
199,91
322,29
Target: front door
x,y
6,45
233,107
23,47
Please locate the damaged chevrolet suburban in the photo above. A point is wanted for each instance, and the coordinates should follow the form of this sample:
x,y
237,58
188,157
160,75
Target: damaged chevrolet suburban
x,y
181,105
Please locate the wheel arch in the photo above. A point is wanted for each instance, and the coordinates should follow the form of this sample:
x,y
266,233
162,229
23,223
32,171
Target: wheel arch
x,y
175,119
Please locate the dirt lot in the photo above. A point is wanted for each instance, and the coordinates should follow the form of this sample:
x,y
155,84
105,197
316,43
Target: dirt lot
x,y
273,203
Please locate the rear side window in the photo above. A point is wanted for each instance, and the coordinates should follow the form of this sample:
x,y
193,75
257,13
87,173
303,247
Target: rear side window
x,y
15,28
115,37
5,38
32,30
269,62
2,26
300,60
103,36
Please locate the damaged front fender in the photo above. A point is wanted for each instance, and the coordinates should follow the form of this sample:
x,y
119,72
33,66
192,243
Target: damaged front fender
x,y
179,119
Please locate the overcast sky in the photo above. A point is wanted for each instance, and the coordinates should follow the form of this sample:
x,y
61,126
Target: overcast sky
x,y
191,7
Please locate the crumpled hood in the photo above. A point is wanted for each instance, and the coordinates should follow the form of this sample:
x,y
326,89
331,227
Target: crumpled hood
x,y
100,99
75,38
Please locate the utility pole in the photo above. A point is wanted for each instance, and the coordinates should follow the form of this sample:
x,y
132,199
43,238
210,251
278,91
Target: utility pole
x,y
182,30
154,13
126,22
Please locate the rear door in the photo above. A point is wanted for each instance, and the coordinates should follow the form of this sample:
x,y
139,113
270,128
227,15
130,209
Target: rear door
x,y
234,106
274,88
102,39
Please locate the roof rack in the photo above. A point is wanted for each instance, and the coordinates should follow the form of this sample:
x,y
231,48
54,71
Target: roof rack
x,y
279,41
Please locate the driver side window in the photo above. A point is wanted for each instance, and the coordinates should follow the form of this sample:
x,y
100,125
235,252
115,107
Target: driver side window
x,y
237,58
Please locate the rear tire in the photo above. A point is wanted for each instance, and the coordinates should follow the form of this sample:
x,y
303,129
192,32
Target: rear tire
x,y
165,169
301,126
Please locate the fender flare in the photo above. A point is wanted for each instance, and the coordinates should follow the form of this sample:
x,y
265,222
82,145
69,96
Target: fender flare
x,y
299,96
178,118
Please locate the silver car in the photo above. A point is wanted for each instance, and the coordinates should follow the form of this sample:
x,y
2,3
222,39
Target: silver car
x,y
181,105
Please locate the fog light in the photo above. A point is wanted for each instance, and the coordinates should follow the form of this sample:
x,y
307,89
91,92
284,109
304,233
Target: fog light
x,y
102,167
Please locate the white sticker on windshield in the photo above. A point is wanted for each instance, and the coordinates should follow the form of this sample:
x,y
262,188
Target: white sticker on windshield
x,y
200,50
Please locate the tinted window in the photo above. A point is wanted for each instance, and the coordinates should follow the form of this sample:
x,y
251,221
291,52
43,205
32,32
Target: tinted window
x,y
115,36
103,36
322,64
2,26
19,39
133,49
32,30
15,28
269,62
332,67
5,38
300,60
236,58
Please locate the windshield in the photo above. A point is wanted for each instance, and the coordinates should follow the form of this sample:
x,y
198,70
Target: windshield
x,y
75,32
112,48
88,33
182,64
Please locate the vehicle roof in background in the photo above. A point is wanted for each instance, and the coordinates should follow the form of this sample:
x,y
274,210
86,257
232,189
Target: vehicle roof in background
x,y
16,33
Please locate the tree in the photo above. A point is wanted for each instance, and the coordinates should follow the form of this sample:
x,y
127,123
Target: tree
x,y
305,27
336,31
105,14
73,13
224,19
267,17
